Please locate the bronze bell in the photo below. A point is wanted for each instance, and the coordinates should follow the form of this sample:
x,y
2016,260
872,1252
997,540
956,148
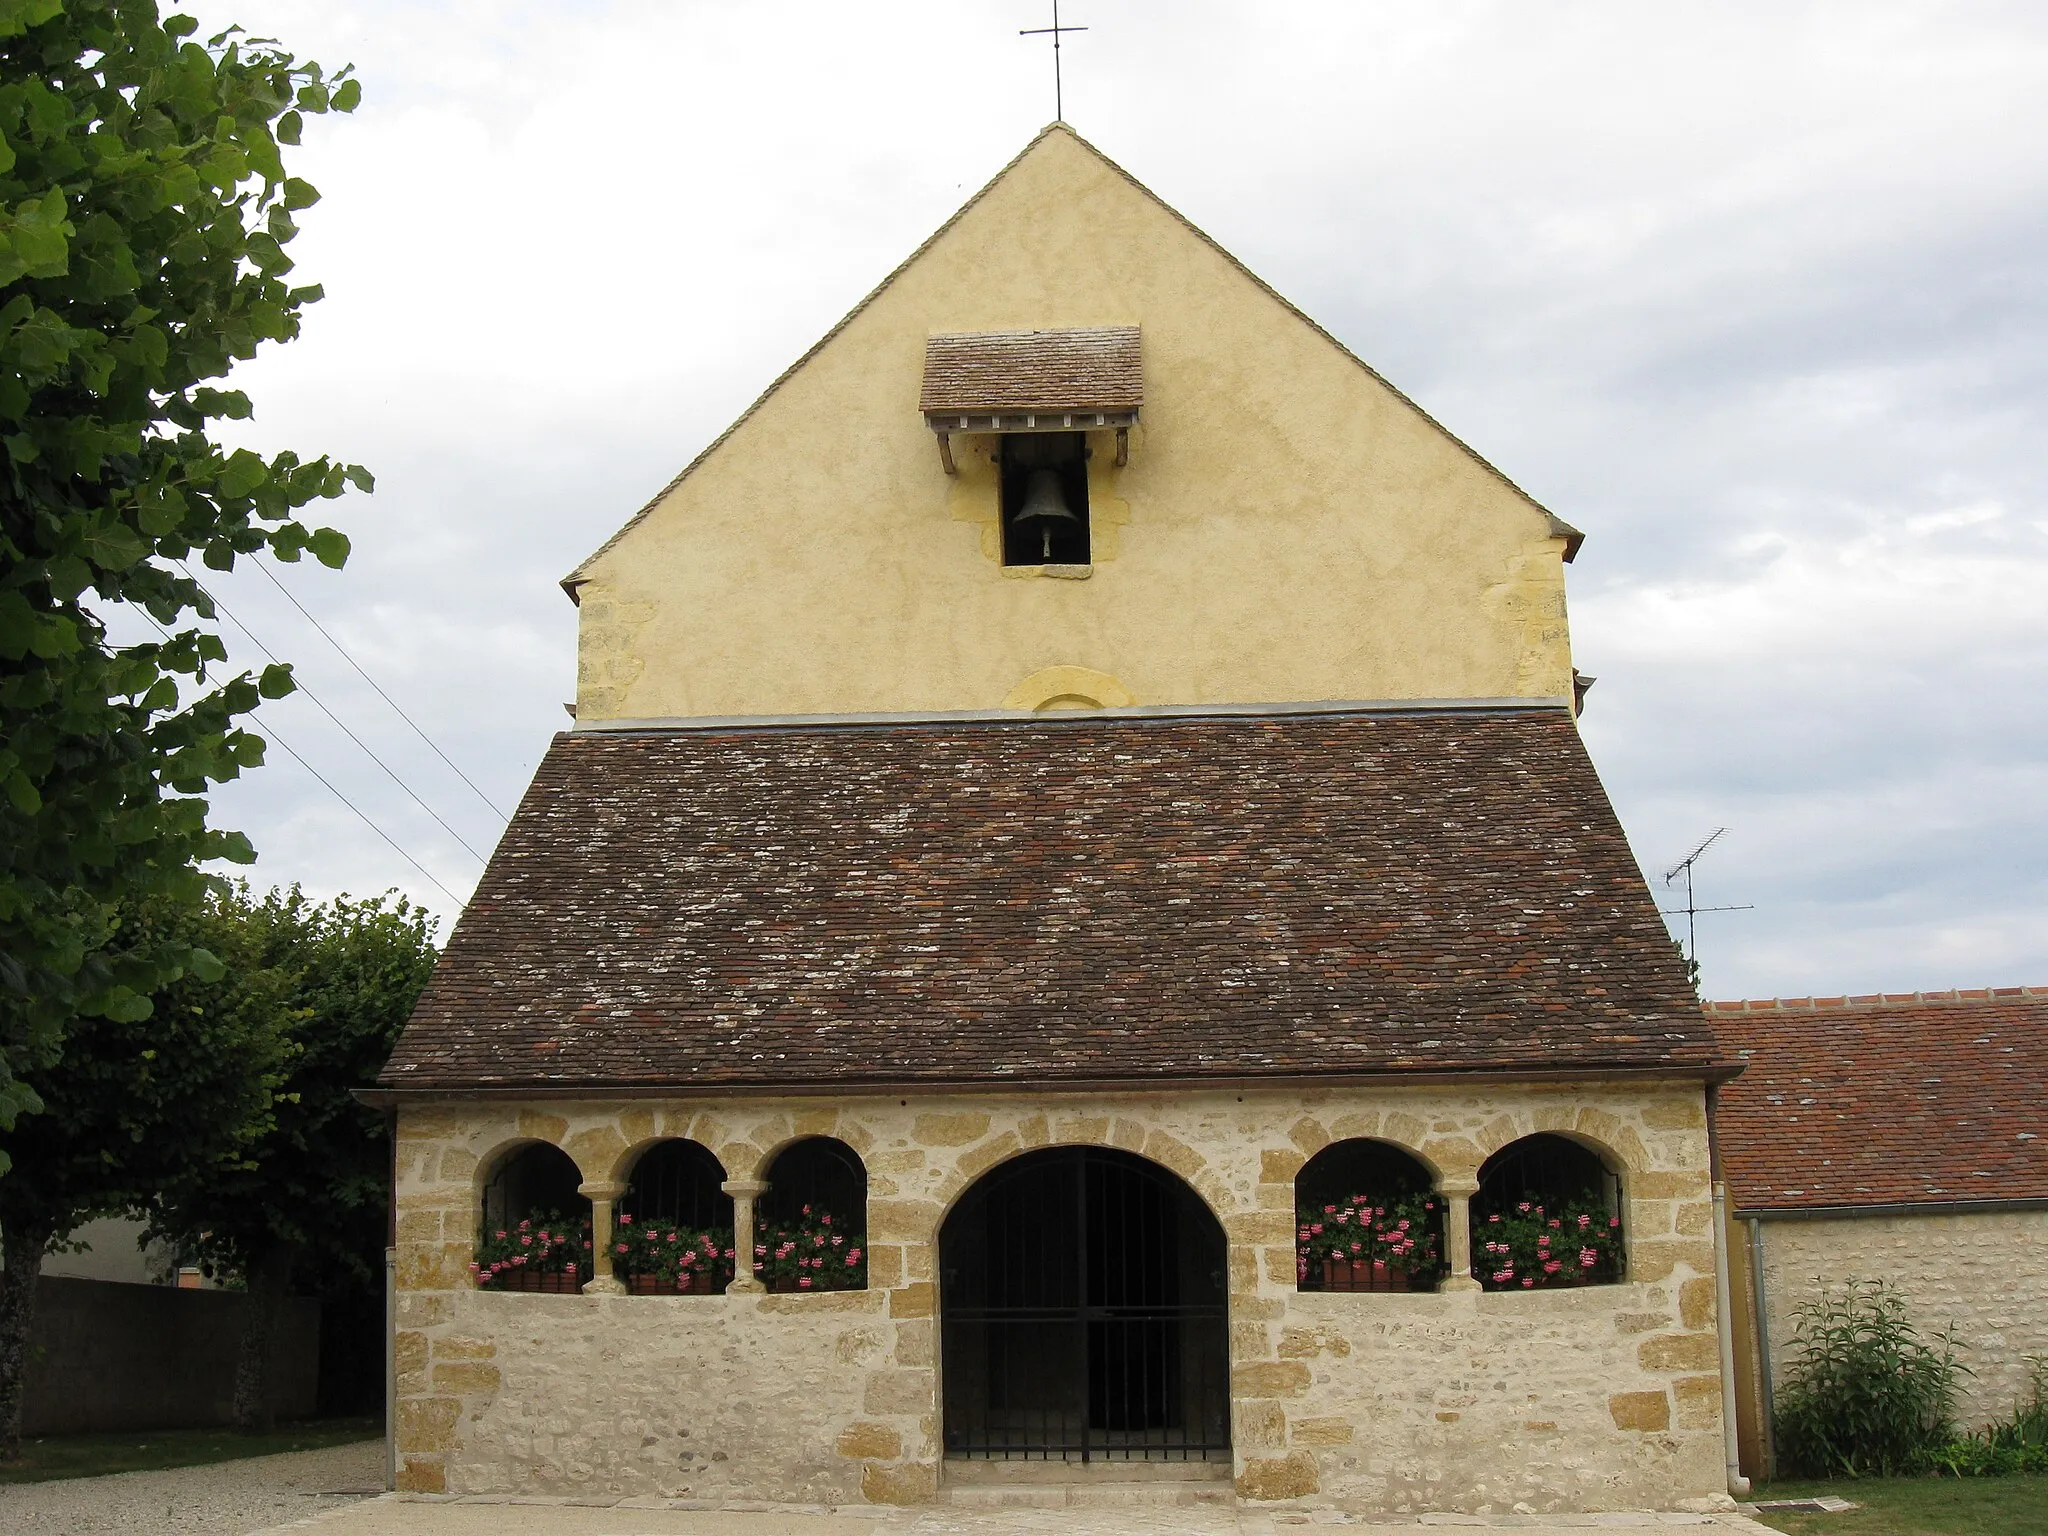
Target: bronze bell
x,y
1044,505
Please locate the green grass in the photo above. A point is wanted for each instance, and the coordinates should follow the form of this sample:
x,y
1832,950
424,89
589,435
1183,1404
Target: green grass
x,y
59,1456
1918,1506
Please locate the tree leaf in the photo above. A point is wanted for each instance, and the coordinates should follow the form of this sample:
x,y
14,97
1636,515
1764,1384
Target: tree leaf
x,y
22,793
112,546
330,547
276,681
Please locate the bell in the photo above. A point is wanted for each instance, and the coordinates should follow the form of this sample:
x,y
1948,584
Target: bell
x,y
1044,505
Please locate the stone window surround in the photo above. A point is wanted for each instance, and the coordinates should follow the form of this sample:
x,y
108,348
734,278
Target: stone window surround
x,y
1455,1189
604,1195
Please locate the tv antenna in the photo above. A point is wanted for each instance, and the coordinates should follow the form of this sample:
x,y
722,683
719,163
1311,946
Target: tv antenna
x,y
1692,909
1055,31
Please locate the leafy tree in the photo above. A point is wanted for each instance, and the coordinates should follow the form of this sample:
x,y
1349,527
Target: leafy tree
x,y
135,1104
308,1205
144,211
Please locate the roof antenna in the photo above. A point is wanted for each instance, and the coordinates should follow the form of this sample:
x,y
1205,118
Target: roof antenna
x,y
1059,104
1691,909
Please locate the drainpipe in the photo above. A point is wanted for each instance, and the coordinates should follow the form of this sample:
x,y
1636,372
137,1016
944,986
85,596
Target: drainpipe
x,y
391,1304
1738,1485
1765,1388
1731,1451
390,1370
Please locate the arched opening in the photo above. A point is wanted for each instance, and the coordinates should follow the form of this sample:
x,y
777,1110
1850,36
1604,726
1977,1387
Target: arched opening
x,y
1366,1219
810,1227
1082,1313
673,1235
1548,1214
536,1225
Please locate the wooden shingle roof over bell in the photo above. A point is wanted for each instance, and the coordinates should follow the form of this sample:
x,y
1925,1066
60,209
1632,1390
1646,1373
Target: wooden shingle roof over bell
x,y
1128,900
1066,380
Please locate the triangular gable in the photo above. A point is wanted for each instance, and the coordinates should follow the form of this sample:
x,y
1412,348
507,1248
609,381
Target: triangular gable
x,y
1558,527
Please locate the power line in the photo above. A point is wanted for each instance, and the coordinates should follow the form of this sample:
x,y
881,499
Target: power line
x,y
271,732
408,719
344,799
390,772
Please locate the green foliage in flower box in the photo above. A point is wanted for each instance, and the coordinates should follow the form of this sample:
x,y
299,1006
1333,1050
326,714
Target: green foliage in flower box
x,y
549,1243
815,1252
1404,1232
666,1251
1527,1247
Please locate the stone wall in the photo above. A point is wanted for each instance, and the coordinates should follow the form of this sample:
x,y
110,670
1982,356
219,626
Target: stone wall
x,y
1986,1275
1601,1398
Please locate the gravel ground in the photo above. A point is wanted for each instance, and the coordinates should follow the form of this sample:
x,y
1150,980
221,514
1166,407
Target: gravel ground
x,y
229,1498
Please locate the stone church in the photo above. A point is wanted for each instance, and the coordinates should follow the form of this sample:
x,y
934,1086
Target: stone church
x,y
1073,940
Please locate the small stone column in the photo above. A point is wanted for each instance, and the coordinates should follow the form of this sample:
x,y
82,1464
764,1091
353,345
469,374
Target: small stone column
x,y
1458,1195
744,1193
603,1281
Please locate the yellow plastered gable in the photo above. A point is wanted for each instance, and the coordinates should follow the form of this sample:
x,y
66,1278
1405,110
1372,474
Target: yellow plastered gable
x,y
1288,526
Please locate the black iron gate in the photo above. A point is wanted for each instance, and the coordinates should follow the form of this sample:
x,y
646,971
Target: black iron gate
x,y
1083,1314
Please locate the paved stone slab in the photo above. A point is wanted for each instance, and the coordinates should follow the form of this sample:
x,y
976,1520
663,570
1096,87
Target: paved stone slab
x,y
402,1516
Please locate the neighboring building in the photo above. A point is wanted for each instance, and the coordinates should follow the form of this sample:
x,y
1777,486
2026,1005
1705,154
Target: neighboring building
x,y
112,1249
1901,1137
1080,768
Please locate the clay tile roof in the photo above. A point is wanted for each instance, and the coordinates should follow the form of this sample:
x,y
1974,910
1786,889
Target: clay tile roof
x,y
1886,1099
981,373
1098,899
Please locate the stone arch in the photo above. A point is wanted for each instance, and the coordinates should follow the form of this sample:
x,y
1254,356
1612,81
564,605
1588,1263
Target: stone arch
x,y
1369,1217
814,1212
526,1179
492,1164
1062,688
1403,1132
1607,1136
1083,1300
1156,1146
708,1206
1549,1178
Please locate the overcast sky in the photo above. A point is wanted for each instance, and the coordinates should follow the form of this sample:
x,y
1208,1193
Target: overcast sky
x,y
1752,291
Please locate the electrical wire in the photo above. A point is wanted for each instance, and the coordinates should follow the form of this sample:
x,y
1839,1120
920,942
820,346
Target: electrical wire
x,y
321,704
271,734
408,719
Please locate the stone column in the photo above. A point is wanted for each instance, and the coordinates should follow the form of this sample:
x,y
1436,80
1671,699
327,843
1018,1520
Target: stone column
x,y
1457,1195
602,1281
744,1193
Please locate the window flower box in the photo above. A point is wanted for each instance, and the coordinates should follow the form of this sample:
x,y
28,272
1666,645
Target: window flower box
x,y
1524,1247
1363,1275
549,1253
659,1258
1370,1242
548,1283
813,1253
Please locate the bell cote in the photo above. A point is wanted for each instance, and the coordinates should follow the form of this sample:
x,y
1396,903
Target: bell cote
x,y
1045,398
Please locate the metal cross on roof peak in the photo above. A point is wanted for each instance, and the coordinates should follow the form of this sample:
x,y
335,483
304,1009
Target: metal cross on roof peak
x,y
1055,31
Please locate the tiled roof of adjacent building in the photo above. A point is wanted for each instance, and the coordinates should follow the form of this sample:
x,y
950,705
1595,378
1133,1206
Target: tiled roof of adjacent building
x,y
1094,899
1894,1098
973,373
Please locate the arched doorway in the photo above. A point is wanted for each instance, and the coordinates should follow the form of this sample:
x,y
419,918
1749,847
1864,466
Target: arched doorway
x,y
1082,1314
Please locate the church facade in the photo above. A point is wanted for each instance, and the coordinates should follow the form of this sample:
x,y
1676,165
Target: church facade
x,y
1073,938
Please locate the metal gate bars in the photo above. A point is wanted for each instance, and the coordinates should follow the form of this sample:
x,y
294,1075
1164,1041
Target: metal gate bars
x,y
1083,1314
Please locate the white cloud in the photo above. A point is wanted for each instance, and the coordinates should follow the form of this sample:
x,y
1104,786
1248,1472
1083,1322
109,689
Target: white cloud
x,y
1750,291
